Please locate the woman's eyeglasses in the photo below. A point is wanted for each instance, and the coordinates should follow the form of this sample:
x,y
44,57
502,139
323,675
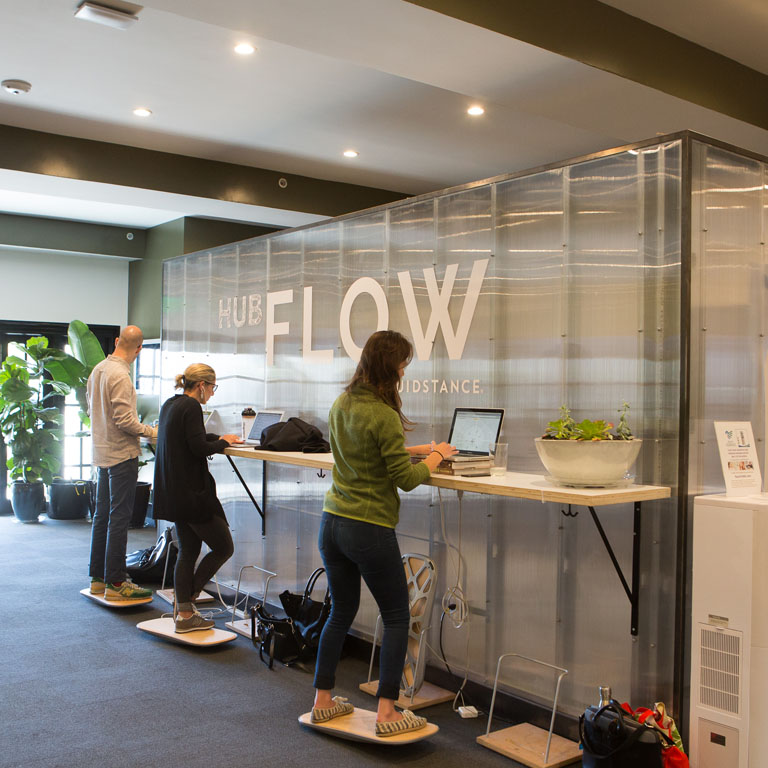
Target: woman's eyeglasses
x,y
213,386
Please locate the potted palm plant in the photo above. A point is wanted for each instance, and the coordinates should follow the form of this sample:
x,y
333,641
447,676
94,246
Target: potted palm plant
x,y
29,426
588,453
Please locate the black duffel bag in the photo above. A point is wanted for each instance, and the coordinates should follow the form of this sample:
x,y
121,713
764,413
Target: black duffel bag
x,y
147,566
294,435
611,738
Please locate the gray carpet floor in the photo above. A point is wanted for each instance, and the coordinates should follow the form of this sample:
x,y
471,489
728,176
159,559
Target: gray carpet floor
x,y
81,686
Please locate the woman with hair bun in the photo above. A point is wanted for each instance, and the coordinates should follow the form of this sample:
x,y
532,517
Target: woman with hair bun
x,y
185,491
357,533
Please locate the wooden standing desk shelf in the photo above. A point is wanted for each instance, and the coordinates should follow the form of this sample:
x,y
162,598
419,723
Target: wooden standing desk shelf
x,y
517,485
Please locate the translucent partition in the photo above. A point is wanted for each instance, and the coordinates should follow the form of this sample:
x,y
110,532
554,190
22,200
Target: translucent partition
x,y
729,224
562,285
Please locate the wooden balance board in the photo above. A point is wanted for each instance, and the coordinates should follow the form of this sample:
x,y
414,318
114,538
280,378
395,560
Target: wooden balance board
x,y
167,595
527,744
202,638
114,603
427,696
360,725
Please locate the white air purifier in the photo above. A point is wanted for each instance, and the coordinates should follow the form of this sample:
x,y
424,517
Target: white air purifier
x,y
729,633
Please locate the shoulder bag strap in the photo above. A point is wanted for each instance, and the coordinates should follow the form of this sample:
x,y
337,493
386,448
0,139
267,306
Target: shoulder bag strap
x,y
316,574
270,638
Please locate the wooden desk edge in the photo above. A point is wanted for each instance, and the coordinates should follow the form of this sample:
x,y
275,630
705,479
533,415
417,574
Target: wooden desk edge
x,y
315,460
549,493
552,493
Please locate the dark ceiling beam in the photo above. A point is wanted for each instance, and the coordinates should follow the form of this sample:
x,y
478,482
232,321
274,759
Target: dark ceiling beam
x,y
606,38
72,158
39,232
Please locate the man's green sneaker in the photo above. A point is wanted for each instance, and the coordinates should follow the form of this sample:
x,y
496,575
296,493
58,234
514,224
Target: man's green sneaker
x,y
97,586
126,591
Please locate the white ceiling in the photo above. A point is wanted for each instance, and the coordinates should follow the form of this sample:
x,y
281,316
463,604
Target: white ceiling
x,y
388,78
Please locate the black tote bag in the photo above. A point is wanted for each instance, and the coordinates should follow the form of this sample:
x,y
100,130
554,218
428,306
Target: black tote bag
x,y
612,739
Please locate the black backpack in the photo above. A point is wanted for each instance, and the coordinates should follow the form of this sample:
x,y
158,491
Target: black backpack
x,y
148,565
294,435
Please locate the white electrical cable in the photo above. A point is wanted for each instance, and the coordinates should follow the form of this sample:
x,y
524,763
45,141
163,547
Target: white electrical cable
x,y
455,604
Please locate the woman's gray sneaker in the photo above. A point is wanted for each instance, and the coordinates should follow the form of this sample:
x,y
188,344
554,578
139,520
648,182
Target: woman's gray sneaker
x,y
194,623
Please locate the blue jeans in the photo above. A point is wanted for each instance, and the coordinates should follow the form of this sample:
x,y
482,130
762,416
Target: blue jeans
x,y
115,490
351,549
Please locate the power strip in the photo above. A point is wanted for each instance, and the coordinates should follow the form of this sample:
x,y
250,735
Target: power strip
x,y
468,712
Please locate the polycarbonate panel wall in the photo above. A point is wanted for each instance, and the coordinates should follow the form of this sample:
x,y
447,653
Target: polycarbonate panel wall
x,y
561,286
729,222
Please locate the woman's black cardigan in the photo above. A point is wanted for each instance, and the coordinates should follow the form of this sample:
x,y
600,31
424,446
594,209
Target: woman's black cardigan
x,y
184,489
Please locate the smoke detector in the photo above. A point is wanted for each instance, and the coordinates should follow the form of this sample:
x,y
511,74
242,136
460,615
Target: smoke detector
x,y
16,86
120,15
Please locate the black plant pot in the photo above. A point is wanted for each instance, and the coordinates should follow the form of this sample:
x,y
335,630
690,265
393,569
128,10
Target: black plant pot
x,y
27,500
140,504
70,499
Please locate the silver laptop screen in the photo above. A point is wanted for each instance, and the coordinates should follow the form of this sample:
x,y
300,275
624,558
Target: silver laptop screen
x,y
263,420
474,429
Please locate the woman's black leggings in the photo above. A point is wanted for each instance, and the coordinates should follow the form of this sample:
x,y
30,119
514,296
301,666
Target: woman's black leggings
x,y
189,581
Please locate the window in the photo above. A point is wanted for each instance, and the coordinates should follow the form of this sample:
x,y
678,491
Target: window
x,y
147,372
76,461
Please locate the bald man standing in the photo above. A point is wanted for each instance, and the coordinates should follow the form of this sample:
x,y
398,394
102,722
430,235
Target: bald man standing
x,y
115,429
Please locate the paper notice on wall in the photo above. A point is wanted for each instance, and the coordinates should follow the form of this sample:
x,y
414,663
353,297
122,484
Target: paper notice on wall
x,y
738,457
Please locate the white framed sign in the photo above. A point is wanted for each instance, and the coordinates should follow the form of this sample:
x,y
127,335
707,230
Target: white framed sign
x,y
738,456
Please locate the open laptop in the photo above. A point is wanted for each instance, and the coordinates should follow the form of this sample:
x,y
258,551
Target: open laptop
x,y
263,420
474,429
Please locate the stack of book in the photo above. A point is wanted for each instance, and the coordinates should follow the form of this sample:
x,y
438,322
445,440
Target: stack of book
x,y
465,466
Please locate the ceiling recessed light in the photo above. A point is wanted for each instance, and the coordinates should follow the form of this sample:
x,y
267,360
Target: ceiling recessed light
x,y
142,112
110,17
350,153
475,111
244,49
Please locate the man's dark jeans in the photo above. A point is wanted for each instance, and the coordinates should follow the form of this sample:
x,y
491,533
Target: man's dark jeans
x,y
115,491
351,549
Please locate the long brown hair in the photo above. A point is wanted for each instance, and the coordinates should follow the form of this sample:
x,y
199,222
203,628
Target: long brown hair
x,y
380,361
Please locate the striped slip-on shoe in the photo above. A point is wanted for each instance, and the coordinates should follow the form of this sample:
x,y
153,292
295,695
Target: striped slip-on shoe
x,y
340,707
410,722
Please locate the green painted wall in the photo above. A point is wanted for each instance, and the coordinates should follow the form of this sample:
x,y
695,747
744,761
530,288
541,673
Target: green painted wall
x,y
62,235
69,157
145,284
609,39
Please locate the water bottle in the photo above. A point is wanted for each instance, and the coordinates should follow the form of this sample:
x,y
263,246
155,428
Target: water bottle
x,y
248,416
605,695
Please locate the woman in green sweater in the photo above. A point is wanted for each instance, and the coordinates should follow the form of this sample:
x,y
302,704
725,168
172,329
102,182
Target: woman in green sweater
x,y
357,534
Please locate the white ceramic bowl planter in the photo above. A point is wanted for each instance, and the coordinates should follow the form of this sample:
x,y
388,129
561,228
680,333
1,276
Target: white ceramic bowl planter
x,y
588,462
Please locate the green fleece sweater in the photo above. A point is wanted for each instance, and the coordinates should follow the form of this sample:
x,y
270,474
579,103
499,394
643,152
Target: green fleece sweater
x,y
370,459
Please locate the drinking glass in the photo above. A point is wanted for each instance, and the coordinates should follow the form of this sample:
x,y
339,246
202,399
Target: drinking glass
x,y
498,453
